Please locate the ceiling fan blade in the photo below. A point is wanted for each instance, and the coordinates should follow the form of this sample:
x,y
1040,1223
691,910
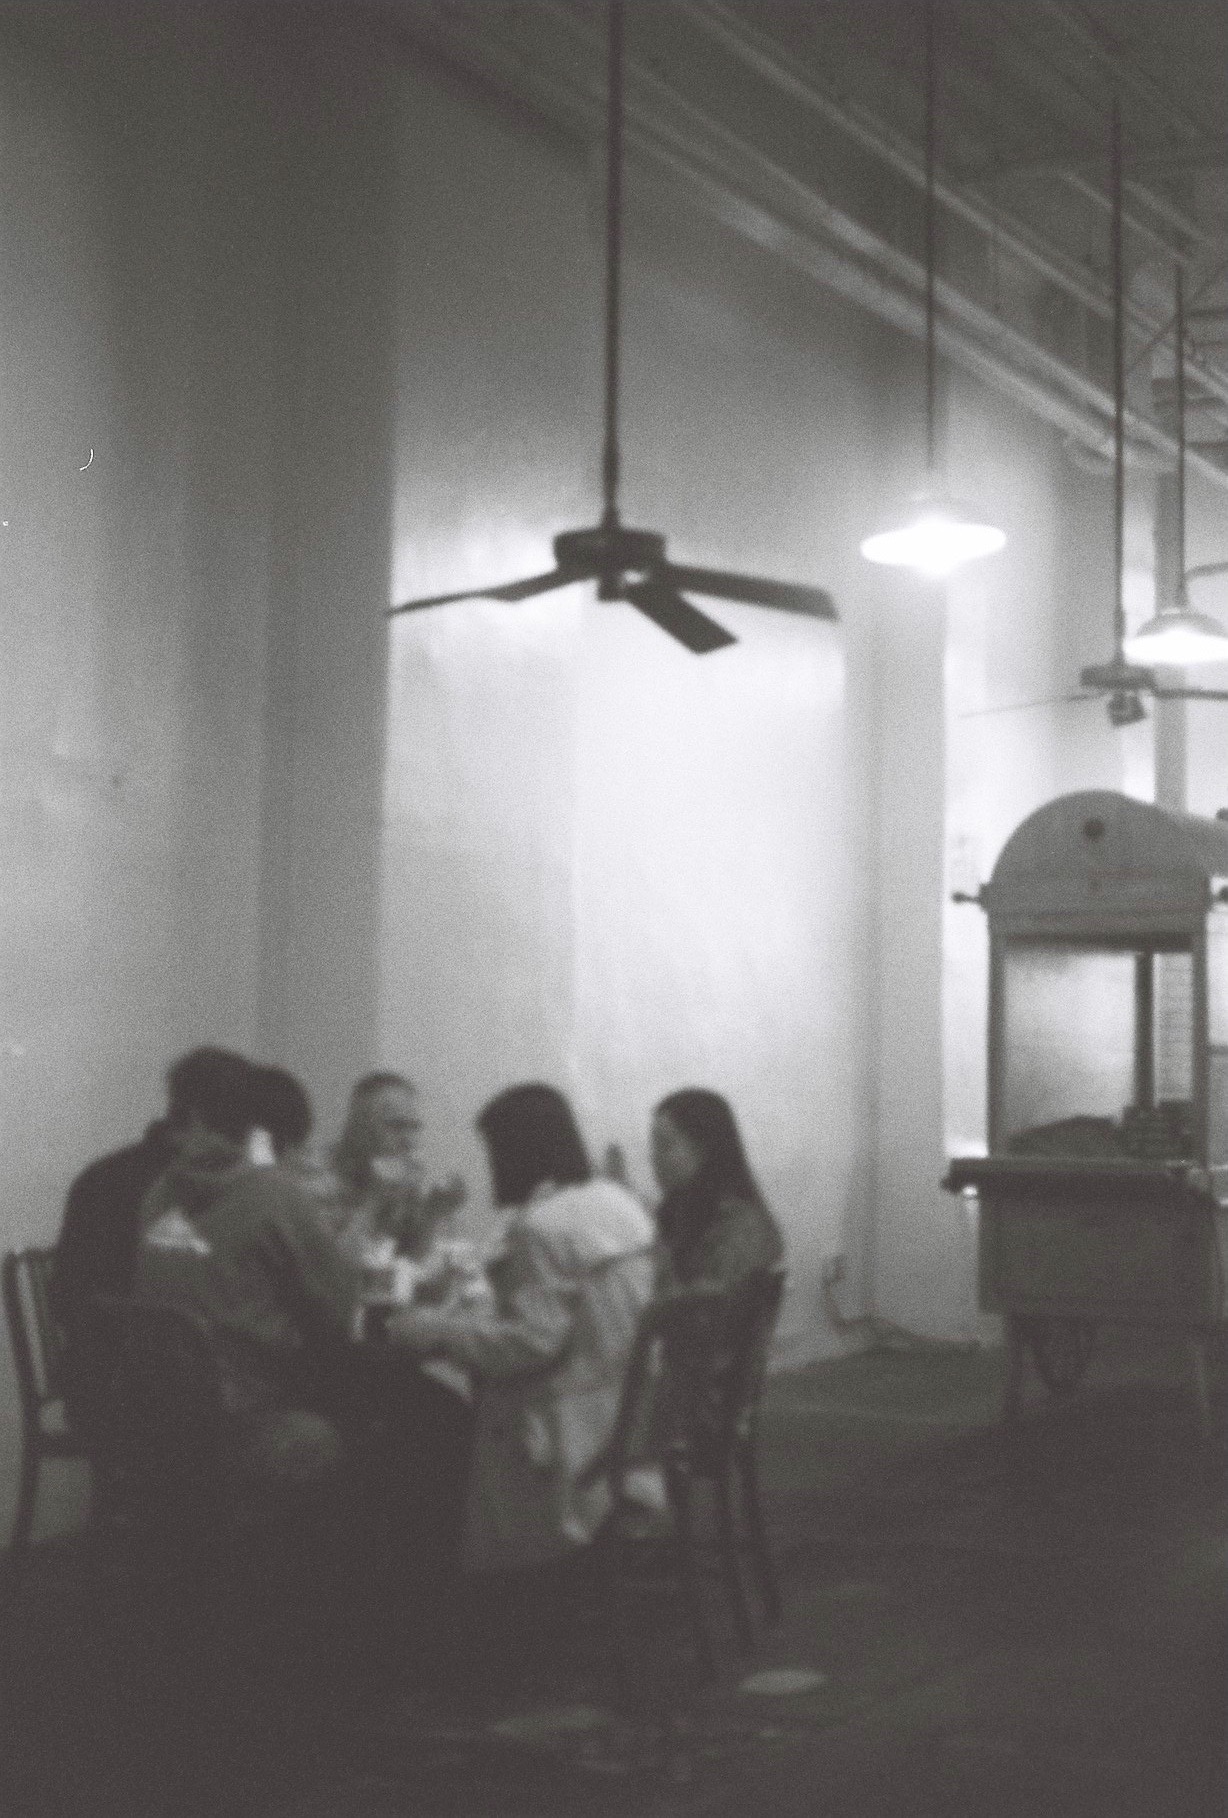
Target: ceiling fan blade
x,y
1050,700
1190,694
752,590
677,616
537,583
436,599
511,590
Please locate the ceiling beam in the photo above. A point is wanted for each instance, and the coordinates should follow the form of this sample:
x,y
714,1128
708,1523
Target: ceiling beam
x,y
741,186
763,54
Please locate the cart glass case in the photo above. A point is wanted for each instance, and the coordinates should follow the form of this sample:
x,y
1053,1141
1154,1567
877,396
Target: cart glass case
x,y
1097,1041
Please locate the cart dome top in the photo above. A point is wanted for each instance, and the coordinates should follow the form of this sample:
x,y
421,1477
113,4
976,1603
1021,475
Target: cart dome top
x,y
1101,855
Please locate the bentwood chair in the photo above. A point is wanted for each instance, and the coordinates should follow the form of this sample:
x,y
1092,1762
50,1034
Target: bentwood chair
x,y
726,1451
690,1409
38,1354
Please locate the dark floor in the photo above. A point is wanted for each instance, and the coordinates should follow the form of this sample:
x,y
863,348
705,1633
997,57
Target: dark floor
x,y
1023,1626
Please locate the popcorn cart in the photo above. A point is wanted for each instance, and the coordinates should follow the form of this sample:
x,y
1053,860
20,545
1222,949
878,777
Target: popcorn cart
x,y
1104,1195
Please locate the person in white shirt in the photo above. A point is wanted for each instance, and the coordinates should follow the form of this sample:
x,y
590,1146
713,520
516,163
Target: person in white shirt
x,y
550,1348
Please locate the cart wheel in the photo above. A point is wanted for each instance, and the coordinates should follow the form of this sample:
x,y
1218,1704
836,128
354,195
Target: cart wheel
x,y
1061,1349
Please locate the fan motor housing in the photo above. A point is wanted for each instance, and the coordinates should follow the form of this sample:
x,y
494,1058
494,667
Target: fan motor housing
x,y
609,550
1117,676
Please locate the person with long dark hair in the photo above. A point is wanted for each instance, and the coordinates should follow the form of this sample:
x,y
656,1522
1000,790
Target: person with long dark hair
x,y
713,1222
550,1350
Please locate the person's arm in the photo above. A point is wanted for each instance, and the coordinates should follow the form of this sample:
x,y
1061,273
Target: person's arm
x,y
311,1269
95,1250
528,1331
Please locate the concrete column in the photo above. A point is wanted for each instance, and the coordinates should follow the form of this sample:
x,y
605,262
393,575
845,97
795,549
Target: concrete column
x,y
918,1280
329,557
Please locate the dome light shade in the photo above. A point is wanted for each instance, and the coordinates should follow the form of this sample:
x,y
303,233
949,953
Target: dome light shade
x,y
938,536
1178,638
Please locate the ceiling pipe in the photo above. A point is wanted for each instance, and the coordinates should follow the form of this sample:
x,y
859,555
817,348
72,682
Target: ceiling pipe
x,y
1168,211
1207,154
1141,428
1142,229
988,329
1122,76
891,148
1077,406
1056,92
751,46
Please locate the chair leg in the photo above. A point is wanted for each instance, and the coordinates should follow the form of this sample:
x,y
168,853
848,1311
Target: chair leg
x,y
688,1569
1016,1367
761,1552
23,1520
731,1570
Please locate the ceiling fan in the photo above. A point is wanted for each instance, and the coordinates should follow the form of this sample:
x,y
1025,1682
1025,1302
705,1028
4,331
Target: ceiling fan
x,y
628,564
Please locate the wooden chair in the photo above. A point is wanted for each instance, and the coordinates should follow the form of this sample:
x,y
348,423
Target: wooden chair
x,y
38,1354
727,1448
690,1409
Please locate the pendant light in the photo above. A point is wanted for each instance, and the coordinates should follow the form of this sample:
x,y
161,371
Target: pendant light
x,y
1178,636
938,534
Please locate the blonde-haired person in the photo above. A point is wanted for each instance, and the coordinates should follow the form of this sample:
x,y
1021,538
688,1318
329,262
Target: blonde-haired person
x,y
376,1189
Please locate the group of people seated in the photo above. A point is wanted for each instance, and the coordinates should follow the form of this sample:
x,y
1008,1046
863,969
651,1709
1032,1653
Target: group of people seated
x,y
473,1407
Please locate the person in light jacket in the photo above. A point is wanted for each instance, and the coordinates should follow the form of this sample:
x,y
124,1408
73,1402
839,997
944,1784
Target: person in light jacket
x,y
550,1349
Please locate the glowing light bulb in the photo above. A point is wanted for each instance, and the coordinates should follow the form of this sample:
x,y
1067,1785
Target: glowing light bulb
x,y
938,537
1178,637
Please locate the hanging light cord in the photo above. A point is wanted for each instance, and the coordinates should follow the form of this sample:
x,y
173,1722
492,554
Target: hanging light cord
x,y
613,255
1119,386
931,110
1179,332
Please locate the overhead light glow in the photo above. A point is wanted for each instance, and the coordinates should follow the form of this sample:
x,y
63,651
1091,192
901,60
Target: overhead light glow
x,y
938,537
1178,638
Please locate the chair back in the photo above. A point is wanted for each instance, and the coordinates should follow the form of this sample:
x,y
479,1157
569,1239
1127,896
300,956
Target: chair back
x,y
714,1346
172,1416
694,1379
753,1320
34,1331
639,1428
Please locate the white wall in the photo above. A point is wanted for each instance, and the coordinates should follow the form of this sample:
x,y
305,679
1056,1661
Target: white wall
x,y
195,254
611,864
134,663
